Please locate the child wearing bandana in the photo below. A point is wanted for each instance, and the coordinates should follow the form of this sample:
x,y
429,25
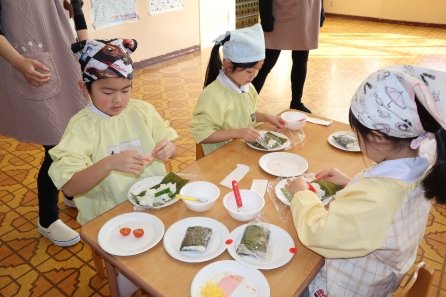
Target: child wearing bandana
x,y
370,233
115,140
227,107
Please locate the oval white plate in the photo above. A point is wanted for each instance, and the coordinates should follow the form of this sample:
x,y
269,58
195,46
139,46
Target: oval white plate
x,y
281,147
145,184
175,234
278,253
283,164
282,197
337,145
111,240
254,283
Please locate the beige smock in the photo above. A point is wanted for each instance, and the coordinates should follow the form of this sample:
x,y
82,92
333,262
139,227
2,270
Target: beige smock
x,y
90,137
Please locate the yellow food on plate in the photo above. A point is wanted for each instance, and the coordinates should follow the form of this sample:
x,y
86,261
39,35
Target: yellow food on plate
x,y
211,289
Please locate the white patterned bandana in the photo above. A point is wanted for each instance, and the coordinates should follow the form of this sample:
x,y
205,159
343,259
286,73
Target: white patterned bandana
x,y
105,58
385,101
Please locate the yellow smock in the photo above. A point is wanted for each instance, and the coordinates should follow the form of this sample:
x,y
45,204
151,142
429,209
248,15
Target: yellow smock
x,y
90,137
219,108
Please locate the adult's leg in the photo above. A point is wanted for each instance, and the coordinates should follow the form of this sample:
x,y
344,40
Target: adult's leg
x,y
49,224
298,76
47,192
271,56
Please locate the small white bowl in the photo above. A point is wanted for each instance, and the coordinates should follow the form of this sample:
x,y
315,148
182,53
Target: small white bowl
x,y
204,191
252,205
294,120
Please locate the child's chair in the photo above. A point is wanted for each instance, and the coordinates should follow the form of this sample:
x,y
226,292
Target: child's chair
x,y
199,153
419,282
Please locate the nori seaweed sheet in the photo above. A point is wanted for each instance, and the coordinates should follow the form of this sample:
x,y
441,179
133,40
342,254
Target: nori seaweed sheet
x,y
196,238
254,241
346,141
278,141
173,178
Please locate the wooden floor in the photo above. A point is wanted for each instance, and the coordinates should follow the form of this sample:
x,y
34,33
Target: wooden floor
x,y
349,50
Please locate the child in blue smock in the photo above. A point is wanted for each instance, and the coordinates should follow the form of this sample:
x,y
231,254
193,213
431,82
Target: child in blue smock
x,y
227,107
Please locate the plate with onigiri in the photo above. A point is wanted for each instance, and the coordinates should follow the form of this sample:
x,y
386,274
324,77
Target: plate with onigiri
x,y
156,191
324,189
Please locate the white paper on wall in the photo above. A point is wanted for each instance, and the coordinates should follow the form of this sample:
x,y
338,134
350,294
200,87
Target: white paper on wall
x,y
160,6
106,13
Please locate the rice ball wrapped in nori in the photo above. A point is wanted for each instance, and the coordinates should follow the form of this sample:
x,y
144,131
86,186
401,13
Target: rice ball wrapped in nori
x,y
196,239
254,241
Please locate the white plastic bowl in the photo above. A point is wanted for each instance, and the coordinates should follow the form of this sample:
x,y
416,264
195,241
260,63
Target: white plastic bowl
x,y
294,120
204,191
252,205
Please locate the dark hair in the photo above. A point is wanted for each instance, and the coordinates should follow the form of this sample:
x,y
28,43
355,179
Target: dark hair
x,y
215,63
432,183
88,85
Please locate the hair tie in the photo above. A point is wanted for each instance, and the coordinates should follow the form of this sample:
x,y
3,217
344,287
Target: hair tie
x,y
416,143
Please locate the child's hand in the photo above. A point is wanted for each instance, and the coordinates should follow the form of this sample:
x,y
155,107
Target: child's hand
x,y
249,134
163,150
333,175
296,185
130,161
277,121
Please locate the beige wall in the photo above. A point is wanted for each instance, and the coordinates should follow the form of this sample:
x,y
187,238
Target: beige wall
x,y
157,35
420,11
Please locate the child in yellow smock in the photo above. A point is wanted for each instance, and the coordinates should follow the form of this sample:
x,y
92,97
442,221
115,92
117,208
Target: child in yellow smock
x,y
227,107
115,140
370,233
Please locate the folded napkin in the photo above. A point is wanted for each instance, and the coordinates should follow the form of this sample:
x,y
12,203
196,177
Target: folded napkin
x,y
237,174
319,121
259,186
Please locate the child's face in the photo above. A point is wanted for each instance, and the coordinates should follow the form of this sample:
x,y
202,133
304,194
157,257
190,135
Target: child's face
x,y
245,76
111,95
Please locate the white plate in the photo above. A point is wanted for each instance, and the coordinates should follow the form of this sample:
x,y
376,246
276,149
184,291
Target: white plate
x,y
281,147
281,196
283,164
254,283
145,184
278,252
111,240
175,234
337,145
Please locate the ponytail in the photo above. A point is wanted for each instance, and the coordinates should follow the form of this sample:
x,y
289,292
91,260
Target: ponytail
x,y
433,183
215,63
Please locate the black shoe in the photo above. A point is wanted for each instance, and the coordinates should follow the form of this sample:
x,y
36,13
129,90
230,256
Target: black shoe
x,y
301,107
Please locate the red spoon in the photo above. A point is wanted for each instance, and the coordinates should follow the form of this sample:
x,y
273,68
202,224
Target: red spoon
x,y
238,198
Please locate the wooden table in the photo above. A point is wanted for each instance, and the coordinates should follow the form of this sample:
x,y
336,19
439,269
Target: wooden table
x,y
161,275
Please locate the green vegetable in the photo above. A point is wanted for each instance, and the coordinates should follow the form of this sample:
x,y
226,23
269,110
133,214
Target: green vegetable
x,y
329,187
287,194
162,192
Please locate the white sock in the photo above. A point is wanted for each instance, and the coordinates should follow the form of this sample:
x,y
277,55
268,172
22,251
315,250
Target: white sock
x,y
126,287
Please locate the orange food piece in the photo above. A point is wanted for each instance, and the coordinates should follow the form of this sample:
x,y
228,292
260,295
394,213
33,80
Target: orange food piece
x,y
125,231
138,233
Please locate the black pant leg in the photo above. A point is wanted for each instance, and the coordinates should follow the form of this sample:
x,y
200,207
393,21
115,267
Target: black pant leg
x,y
271,56
47,193
298,76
